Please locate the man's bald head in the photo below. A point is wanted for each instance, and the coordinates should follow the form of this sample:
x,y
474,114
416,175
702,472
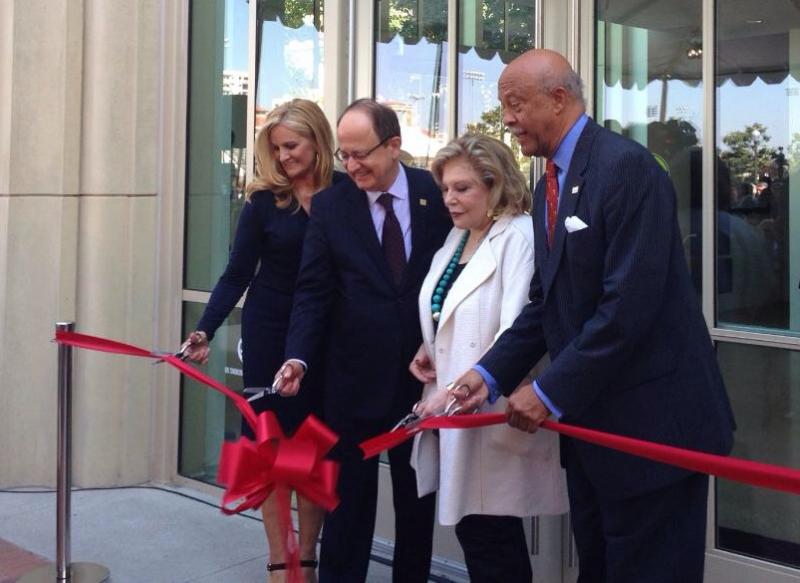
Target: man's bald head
x,y
541,96
547,70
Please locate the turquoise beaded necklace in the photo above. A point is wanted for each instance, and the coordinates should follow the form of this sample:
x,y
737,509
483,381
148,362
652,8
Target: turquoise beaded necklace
x,y
446,281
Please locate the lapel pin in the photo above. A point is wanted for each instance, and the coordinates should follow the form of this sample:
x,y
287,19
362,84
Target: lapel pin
x,y
423,202
575,189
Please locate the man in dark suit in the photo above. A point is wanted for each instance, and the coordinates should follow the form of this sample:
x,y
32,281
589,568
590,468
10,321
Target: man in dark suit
x,y
613,304
368,246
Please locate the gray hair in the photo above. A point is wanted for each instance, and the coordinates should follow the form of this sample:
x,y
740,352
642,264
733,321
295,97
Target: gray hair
x,y
570,81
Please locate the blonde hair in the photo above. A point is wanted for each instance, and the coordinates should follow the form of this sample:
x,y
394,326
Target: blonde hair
x,y
495,164
303,117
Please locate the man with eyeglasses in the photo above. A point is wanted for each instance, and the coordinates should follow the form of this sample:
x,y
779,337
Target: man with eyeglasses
x,y
368,246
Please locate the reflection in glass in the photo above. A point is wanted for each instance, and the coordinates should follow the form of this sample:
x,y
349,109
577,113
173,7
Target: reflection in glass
x,y
411,71
208,417
216,153
289,60
649,87
764,387
491,34
758,140
290,36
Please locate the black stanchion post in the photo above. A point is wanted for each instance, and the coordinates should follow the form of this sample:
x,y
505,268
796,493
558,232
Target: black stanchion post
x,y
64,570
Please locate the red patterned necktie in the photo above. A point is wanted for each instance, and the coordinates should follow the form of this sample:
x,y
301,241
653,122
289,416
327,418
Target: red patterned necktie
x,y
394,247
551,193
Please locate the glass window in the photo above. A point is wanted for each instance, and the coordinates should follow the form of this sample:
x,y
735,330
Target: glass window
x,y
491,34
216,156
290,33
649,87
289,37
764,387
411,72
758,140
208,417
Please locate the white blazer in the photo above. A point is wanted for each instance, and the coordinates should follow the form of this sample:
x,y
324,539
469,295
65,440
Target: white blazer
x,y
493,470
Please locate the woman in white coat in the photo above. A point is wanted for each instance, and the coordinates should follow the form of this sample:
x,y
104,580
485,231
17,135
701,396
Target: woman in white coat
x,y
488,478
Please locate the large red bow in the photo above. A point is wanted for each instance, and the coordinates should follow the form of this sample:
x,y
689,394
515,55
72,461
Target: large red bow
x,y
251,470
273,465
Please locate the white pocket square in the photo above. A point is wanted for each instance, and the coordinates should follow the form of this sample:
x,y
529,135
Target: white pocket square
x,y
574,224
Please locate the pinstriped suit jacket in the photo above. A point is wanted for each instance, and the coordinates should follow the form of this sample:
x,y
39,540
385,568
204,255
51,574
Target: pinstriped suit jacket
x,y
614,305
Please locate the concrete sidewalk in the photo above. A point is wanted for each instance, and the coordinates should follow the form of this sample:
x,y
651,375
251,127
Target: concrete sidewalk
x,y
148,535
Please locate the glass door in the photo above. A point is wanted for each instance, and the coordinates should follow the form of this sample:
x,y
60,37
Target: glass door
x,y
245,58
757,296
436,63
650,61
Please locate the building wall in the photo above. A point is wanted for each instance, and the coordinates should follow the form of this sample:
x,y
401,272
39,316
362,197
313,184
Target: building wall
x,y
78,210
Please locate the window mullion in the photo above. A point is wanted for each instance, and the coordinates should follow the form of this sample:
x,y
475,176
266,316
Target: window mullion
x,y
709,239
251,90
452,67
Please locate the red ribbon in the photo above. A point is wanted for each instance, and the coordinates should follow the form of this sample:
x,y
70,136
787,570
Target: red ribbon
x,y
775,477
252,470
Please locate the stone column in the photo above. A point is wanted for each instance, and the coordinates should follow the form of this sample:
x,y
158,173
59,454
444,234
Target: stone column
x,y
78,151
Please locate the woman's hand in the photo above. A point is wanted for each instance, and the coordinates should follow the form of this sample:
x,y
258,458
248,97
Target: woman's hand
x,y
434,404
422,367
198,348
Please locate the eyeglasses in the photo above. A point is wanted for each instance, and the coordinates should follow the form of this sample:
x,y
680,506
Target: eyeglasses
x,y
345,157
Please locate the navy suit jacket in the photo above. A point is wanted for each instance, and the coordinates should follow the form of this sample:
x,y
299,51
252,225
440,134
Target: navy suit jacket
x,y
615,307
347,307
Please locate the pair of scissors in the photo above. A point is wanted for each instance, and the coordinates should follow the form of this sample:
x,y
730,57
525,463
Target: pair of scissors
x,y
276,382
256,393
181,354
408,422
454,405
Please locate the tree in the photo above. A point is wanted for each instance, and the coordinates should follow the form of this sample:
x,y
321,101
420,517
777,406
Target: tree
x,y
403,17
491,124
794,152
291,12
748,154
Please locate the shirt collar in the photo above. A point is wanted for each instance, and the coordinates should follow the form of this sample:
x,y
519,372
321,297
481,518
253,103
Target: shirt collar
x,y
566,148
398,189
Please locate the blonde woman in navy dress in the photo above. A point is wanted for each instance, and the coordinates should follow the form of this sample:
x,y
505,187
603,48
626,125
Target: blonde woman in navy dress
x,y
294,161
488,479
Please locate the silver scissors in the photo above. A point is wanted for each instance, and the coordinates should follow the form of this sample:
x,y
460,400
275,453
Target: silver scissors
x,y
258,392
453,405
276,382
181,354
408,422
255,393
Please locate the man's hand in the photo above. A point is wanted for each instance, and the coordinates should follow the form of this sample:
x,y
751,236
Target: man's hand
x,y
525,409
422,367
287,379
469,392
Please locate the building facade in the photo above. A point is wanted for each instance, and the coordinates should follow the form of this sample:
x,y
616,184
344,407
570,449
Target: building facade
x,y
126,135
